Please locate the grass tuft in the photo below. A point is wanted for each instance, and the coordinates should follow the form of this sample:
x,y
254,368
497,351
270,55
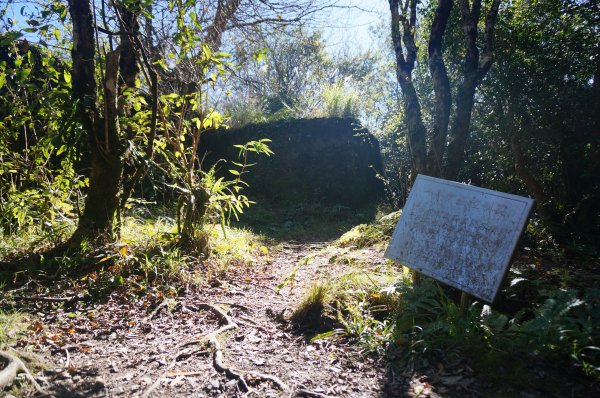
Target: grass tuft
x,y
309,312
237,246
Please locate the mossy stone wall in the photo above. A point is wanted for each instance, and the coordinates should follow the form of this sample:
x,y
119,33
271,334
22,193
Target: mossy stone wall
x,y
330,160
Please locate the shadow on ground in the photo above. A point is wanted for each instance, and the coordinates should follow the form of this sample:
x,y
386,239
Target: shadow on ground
x,y
303,221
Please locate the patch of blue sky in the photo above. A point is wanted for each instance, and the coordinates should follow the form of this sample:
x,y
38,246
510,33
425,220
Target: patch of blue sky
x,y
348,26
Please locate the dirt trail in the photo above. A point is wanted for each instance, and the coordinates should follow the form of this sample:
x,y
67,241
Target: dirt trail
x,y
125,348
231,337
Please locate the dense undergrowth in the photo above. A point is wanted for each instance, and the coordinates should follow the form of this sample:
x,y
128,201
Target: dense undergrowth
x,y
147,263
539,326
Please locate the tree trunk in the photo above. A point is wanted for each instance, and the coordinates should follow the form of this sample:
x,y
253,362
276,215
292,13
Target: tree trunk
x,y
130,28
475,69
83,53
225,12
414,121
133,168
96,224
441,87
404,66
466,90
460,128
532,184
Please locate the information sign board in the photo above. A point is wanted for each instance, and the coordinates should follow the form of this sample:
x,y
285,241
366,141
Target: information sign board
x,y
459,234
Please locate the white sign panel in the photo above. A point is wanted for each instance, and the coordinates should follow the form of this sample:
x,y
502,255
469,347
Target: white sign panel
x,y
459,234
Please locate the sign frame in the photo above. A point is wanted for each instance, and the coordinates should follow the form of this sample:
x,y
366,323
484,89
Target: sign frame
x,y
488,203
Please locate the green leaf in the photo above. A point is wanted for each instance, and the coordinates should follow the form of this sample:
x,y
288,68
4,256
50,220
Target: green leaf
x,y
260,55
234,172
2,79
23,73
67,76
206,51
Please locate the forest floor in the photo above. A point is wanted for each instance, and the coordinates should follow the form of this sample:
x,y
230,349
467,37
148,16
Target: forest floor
x,y
128,346
228,336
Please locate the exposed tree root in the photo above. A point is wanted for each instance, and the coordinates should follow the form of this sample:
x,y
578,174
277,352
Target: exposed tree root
x,y
310,394
218,358
273,379
12,366
221,367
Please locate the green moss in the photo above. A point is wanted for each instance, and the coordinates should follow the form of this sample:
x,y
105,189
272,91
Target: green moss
x,y
365,235
12,326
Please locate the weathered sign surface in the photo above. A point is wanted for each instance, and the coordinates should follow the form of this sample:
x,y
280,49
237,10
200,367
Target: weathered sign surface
x,y
459,234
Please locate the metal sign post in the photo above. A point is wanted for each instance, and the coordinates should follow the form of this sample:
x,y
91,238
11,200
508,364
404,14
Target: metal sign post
x,y
459,234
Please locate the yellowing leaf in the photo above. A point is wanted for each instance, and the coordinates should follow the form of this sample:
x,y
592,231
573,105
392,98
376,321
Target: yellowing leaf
x,y
123,250
103,259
